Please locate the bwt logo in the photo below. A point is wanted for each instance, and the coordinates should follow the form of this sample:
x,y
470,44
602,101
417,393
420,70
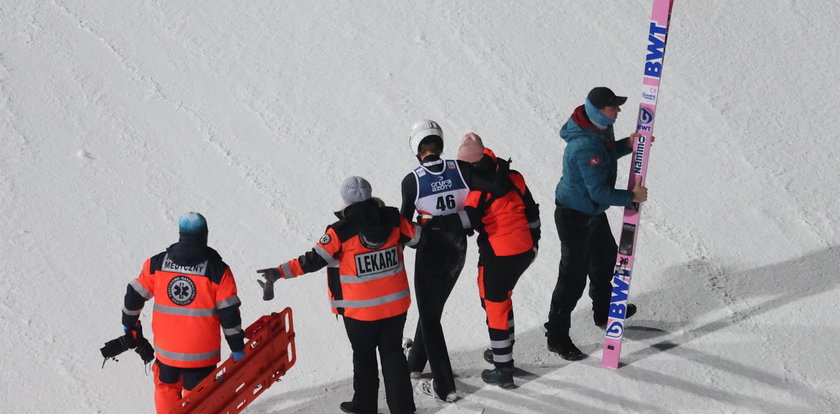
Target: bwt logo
x,y
645,117
618,304
615,330
656,50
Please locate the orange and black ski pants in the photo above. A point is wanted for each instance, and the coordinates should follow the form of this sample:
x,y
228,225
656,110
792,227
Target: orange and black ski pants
x,y
173,383
497,276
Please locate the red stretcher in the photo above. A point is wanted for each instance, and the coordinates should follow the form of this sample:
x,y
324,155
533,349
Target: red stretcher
x,y
269,353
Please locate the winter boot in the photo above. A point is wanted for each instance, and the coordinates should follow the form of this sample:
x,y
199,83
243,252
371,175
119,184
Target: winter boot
x,y
563,346
347,407
500,376
601,319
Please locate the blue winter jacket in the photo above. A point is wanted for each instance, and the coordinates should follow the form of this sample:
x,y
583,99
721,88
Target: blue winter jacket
x,y
590,167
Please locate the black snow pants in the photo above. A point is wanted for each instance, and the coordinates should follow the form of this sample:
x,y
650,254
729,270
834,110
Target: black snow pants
x,y
386,335
438,264
587,248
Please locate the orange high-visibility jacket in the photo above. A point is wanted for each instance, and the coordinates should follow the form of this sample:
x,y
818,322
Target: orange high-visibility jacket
x,y
366,279
509,223
185,319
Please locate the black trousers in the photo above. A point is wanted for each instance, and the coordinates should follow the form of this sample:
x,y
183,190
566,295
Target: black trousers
x,y
190,376
437,266
587,248
386,336
497,276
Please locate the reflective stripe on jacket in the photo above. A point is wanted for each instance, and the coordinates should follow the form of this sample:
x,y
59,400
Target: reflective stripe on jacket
x,y
366,280
185,319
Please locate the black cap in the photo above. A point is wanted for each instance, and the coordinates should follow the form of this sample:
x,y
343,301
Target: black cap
x,y
603,96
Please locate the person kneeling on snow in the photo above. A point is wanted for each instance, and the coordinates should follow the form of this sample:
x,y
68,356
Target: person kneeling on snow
x,y
368,286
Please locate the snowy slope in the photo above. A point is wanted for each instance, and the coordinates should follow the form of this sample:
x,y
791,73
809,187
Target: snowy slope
x,y
117,116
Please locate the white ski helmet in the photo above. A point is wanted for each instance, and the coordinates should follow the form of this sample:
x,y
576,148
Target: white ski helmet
x,y
422,129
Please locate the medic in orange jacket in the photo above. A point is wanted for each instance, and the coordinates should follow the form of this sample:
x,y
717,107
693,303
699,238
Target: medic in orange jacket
x,y
189,302
367,284
503,211
366,278
505,214
194,293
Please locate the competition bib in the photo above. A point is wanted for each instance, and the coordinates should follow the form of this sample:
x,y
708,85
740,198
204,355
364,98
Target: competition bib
x,y
441,193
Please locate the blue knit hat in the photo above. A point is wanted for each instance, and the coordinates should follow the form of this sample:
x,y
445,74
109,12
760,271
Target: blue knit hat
x,y
192,223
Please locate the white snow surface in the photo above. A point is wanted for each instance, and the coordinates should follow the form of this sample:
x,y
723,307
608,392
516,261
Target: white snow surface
x,y
118,116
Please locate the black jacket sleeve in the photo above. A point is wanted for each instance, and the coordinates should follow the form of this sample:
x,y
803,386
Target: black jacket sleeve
x,y
409,194
311,261
466,172
532,214
132,303
231,322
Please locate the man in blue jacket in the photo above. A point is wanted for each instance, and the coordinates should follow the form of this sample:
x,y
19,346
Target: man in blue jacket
x,y
585,191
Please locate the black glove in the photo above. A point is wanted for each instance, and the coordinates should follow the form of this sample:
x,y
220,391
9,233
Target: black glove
x,y
271,275
133,339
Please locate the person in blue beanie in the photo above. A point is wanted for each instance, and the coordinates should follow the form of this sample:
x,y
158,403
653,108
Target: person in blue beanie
x,y
585,191
195,294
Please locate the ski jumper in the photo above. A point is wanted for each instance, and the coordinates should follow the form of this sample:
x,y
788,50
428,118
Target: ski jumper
x,y
436,188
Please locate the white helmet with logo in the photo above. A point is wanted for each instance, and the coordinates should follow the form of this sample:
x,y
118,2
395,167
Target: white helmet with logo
x,y
422,129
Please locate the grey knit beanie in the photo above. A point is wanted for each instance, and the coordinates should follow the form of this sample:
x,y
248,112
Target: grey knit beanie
x,y
355,190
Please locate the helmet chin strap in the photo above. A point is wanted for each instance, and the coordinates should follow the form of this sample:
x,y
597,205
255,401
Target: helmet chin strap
x,y
431,159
